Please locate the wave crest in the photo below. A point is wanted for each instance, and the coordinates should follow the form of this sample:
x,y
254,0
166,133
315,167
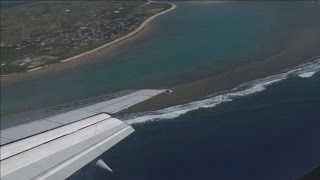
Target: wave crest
x,y
307,75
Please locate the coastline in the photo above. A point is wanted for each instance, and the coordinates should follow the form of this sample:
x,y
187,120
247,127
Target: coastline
x,y
13,76
299,48
123,37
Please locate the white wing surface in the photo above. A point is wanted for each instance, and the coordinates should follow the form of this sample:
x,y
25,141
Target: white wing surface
x,y
58,153
57,146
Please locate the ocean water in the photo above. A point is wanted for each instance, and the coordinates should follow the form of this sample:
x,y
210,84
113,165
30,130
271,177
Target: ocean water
x,y
268,129
195,40
264,129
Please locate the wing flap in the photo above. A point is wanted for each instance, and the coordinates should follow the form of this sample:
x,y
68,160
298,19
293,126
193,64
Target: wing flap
x,y
51,155
36,140
71,165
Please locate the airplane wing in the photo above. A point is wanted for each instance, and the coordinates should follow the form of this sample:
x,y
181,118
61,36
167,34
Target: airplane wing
x,y
57,146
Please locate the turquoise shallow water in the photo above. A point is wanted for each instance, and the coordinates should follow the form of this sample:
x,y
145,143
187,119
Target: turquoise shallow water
x,y
191,42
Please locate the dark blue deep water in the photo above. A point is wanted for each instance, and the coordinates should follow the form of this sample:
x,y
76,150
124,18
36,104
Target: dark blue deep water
x,y
270,135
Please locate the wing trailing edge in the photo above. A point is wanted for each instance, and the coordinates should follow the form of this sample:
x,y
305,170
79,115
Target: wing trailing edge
x,y
58,153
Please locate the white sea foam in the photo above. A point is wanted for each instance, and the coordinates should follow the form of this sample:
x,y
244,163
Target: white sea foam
x,y
215,99
307,75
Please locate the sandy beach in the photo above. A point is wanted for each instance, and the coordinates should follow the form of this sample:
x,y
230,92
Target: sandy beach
x,y
86,56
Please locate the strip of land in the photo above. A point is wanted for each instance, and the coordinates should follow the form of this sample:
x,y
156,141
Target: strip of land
x,y
123,37
91,52
302,48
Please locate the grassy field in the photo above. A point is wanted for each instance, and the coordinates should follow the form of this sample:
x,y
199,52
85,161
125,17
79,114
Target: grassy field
x,y
38,33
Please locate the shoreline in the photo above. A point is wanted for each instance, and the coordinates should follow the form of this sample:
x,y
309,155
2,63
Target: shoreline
x,y
144,23
13,76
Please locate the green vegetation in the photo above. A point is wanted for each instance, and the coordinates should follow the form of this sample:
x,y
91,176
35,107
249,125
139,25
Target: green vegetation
x,y
39,33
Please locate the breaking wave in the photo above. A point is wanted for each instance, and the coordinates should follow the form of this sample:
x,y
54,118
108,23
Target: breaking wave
x,y
226,96
307,75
